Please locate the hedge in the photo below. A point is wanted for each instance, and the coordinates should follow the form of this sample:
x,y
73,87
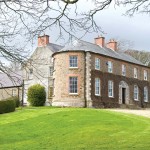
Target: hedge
x,y
36,95
16,99
7,105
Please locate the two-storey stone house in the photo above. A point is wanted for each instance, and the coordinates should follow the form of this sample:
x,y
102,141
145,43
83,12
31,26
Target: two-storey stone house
x,y
98,75
39,68
84,74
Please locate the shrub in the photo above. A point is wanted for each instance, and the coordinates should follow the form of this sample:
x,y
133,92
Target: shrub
x,y
16,99
7,105
36,95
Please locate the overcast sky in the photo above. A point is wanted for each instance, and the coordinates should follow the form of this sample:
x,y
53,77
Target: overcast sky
x,y
135,29
116,25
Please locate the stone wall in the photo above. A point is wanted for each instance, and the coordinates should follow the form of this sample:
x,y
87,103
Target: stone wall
x,y
62,72
40,63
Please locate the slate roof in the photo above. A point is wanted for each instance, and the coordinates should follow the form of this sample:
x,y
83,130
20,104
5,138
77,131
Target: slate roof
x,y
54,47
12,80
79,45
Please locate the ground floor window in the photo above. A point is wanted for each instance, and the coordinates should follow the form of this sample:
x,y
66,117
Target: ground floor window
x,y
110,89
136,93
73,85
145,94
14,92
97,86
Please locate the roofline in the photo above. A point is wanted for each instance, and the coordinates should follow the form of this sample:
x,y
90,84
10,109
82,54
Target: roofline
x,y
99,54
11,87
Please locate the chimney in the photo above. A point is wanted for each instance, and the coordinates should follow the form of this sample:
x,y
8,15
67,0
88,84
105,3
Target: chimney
x,y
43,40
112,44
100,41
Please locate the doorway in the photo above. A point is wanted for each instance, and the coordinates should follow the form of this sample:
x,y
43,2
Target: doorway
x,y
123,95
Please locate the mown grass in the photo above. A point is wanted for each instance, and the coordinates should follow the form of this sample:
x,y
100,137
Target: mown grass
x,y
46,128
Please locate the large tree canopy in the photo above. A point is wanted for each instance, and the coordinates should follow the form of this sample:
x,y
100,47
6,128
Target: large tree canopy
x,y
30,18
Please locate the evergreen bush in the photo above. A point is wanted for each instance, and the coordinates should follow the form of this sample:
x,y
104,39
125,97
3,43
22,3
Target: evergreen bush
x,y
36,95
7,105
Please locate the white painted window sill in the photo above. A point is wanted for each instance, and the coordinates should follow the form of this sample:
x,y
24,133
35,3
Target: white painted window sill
x,y
73,94
111,96
73,67
97,95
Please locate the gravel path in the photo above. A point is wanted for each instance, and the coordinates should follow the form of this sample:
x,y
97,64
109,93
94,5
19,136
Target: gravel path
x,y
145,112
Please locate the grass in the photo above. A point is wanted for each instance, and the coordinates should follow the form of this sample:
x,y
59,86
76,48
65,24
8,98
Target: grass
x,y
46,128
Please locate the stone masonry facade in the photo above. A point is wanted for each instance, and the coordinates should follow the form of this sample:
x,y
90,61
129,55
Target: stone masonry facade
x,y
82,75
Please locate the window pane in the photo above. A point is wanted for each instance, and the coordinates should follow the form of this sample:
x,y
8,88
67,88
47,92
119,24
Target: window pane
x,y
97,86
51,71
145,75
73,85
136,92
110,88
97,63
123,70
73,61
145,94
110,66
135,72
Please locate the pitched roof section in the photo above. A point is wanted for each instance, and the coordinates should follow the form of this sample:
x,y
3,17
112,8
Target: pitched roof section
x,y
79,45
54,47
11,80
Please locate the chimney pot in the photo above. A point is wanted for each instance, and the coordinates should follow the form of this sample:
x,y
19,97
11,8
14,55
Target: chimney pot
x,y
112,44
43,40
100,40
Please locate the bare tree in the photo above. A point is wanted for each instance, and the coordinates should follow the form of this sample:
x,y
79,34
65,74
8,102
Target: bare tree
x,y
30,18
142,56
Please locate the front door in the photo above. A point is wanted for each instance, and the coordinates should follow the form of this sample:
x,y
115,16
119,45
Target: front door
x,y
123,95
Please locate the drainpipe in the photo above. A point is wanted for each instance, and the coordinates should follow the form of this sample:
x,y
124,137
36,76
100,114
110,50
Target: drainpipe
x,y
22,92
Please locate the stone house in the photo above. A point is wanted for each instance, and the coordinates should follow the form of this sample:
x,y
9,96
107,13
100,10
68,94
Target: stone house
x,y
84,74
11,85
39,68
98,75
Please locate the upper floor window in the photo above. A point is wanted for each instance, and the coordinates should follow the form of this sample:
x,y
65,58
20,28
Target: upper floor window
x,y
135,73
73,60
110,66
110,89
145,94
136,93
51,69
123,70
73,85
97,63
30,73
97,86
145,74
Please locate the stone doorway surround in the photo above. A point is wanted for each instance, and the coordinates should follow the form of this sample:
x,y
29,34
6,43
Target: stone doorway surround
x,y
123,85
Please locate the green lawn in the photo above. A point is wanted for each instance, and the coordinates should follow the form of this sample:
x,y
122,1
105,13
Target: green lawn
x,y
47,128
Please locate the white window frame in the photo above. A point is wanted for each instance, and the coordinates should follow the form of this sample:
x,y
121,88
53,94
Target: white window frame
x,y
73,84
97,87
97,63
124,70
145,75
110,88
110,67
136,93
31,73
14,92
135,73
145,94
51,69
73,61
